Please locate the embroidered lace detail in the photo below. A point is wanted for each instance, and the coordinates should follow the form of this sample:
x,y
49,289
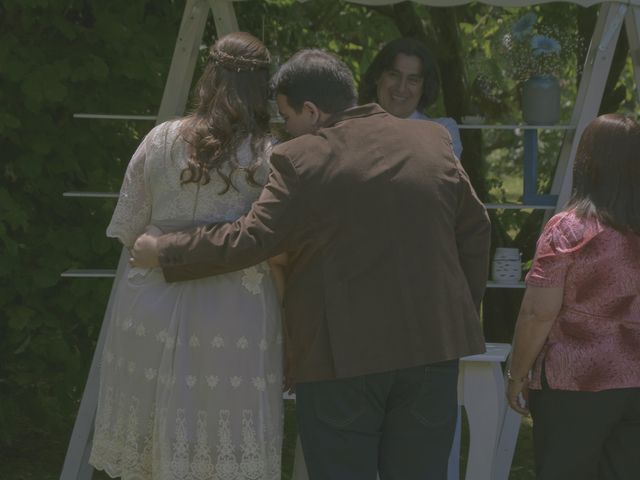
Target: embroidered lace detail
x,y
259,383
252,464
252,280
227,466
180,463
202,466
212,381
187,452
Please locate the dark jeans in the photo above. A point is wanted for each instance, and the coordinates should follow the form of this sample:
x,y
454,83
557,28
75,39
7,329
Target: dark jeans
x,y
586,435
399,423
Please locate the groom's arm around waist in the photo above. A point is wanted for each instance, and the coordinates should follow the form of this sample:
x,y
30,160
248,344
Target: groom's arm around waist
x,y
263,232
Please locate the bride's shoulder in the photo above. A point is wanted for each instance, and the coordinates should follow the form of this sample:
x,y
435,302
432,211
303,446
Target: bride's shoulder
x,y
163,136
170,128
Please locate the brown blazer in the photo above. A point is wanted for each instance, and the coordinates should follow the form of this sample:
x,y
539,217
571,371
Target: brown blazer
x,y
388,244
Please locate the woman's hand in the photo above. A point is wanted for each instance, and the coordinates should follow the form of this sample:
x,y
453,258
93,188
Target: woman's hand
x,y
539,310
144,253
153,231
518,395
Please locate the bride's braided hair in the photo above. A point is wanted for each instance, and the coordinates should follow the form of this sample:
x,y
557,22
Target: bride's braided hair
x,y
236,63
230,106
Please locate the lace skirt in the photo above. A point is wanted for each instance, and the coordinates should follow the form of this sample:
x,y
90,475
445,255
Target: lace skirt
x,y
191,379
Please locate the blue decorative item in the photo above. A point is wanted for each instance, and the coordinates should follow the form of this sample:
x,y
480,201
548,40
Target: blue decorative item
x,y
543,45
541,100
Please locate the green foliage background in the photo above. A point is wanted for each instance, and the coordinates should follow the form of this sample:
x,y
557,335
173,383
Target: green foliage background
x,y
60,57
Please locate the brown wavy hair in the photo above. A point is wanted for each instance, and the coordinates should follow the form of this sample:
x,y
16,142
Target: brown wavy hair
x,y
230,105
606,173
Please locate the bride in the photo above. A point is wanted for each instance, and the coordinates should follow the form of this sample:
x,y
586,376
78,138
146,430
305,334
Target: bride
x,y
191,372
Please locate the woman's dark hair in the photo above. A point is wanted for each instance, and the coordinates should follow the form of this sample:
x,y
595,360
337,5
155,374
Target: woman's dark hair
x,y
230,105
385,60
318,77
606,173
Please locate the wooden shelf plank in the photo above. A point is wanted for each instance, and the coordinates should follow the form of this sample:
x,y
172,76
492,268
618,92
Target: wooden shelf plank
x,y
107,273
518,206
91,273
275,119
104,116
496,352
490,206
492,284
466,126
91,194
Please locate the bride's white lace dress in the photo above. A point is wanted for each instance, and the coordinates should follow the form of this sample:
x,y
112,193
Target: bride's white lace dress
x,y
191,372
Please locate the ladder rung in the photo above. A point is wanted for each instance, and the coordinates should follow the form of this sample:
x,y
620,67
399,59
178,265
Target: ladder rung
x,y
94,273
91,194
102,116
517,206
492,284
275,119
463,126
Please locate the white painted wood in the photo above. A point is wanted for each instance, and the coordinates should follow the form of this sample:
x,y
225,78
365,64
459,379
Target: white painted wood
x,y
522,126
482,394
453,467
103,116
501,3
507,443
632,25
492,284
517,206
224,17
490,206
299,465
88,273
590,91
496,353
76,465
185,55
91,194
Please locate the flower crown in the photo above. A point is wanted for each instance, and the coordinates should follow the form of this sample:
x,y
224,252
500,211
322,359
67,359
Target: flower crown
x,y
237,64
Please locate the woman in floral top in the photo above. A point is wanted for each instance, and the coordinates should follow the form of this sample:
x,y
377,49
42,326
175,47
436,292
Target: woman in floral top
x,y
576,350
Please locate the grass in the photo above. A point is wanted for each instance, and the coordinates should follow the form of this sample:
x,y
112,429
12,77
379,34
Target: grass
x,y
40,457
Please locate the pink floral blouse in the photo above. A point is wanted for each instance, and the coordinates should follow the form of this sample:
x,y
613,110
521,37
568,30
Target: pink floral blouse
x,y
594,343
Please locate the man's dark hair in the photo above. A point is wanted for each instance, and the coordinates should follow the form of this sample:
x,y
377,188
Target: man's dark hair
x,y
318,77
606,173
385,60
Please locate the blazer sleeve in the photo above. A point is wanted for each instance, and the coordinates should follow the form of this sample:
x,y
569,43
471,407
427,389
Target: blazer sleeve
x,y
266,230
473,238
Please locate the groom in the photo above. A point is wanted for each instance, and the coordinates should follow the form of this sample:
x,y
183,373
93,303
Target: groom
x,y
388,248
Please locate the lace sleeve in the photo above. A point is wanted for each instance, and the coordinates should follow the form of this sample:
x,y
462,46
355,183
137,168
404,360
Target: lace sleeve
x,y
133,211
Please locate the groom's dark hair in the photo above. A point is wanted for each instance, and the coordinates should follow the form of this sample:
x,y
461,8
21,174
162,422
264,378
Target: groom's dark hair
x,y
318,77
